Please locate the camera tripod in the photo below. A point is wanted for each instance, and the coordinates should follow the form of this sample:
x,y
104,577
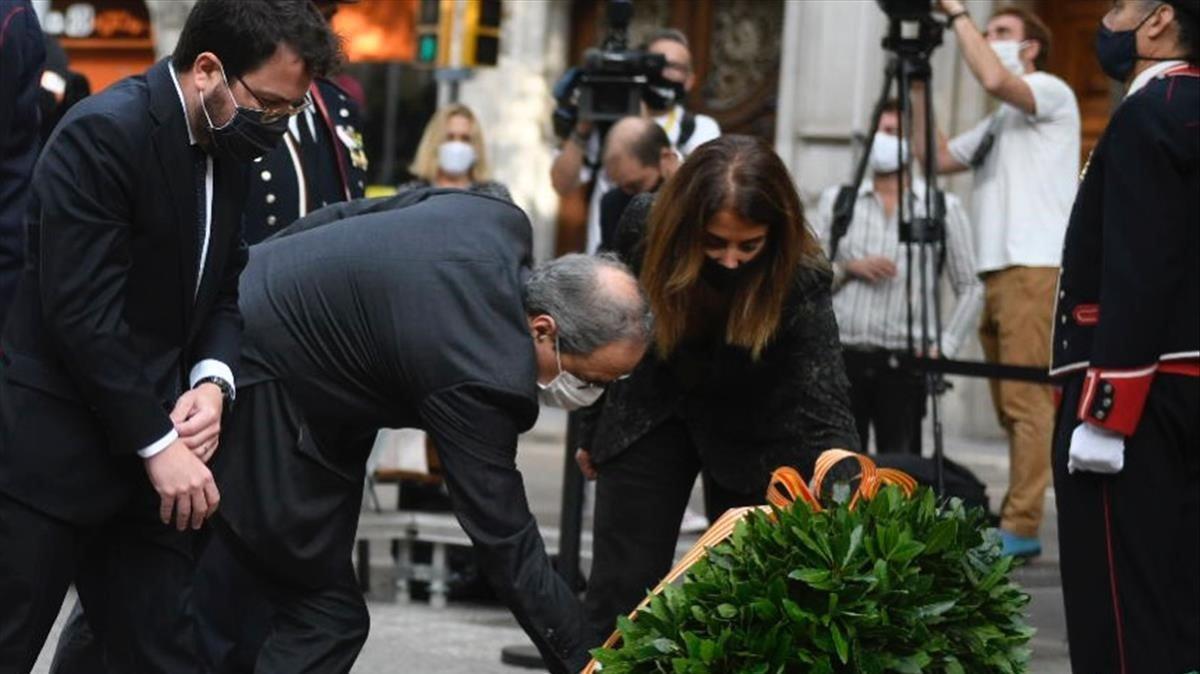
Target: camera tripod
x,y
923,233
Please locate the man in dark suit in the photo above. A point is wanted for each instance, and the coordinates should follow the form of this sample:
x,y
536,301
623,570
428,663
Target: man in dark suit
x,y
422,312
1127,348
119,350
22,54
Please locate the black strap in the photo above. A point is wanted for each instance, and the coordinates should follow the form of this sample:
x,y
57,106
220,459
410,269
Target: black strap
x,y
687,127
966,368
843,213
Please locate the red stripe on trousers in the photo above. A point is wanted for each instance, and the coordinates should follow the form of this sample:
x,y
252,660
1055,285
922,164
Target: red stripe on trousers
x,y
1112,580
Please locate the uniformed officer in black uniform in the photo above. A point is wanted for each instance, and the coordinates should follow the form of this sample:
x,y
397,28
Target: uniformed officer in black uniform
x,y
320,161
1127,350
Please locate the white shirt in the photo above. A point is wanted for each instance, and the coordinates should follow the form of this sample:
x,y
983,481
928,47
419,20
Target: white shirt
x,y
875,315
672,122
1025,187
706,130
1150,73
209,367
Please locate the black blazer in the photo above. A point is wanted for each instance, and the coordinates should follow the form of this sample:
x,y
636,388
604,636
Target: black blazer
x,y
108,319
1130,279
747,418
22,53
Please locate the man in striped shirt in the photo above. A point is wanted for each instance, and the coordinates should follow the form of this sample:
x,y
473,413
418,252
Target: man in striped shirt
x,y
870,281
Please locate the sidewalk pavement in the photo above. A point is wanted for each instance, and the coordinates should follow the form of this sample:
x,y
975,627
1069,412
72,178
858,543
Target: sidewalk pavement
x,y
464,638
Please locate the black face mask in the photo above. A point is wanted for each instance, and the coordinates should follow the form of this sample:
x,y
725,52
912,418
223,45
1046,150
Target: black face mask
x,y
245,137
723,278
662,94
1116,50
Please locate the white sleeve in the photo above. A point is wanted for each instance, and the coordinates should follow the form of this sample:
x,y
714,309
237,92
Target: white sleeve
x,y
706,130
822,226
211,367
962,147
822,217
1051,96
159,445
968,289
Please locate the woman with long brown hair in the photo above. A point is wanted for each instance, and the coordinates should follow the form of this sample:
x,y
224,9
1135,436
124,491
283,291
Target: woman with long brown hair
x,y
745,374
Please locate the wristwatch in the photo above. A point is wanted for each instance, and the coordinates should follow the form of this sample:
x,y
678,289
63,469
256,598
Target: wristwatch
x,y
226,390
954,17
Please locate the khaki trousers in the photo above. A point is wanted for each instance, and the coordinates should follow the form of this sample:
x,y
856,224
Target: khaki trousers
x,y
1015,330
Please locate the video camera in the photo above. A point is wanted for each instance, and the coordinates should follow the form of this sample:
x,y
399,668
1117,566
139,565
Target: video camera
x,y
611,82
912,30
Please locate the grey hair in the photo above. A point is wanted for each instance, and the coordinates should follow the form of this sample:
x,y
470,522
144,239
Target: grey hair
x,y
588,314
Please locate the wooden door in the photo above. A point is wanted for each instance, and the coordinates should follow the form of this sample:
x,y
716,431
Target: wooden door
x,y
1073,24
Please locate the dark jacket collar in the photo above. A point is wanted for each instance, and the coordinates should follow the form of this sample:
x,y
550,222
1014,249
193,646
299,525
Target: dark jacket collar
x,y
165,109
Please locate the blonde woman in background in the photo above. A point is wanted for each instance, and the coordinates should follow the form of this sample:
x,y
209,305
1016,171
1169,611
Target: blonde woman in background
x,y
452,154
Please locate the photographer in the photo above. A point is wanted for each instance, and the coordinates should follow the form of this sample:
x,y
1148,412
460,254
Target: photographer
x,y
664,99
579,157
1026,161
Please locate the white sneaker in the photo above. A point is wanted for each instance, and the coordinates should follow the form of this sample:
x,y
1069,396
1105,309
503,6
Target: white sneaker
x,y
693,522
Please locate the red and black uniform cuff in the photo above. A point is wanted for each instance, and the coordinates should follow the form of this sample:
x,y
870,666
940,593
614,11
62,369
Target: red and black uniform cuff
x,y
1114,399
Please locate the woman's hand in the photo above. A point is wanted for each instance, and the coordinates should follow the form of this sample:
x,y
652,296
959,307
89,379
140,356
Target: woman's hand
x,y
584,459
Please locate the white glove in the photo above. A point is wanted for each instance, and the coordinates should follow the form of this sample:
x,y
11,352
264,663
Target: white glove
x,y
1096,450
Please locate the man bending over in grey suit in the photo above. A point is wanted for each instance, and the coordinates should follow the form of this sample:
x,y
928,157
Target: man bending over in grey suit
x,y
430,317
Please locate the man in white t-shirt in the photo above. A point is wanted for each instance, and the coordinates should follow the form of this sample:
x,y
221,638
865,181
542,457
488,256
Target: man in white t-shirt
x,y
578,160
1025,157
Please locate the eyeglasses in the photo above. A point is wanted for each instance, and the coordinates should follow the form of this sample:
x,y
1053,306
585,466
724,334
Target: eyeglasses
x,y
277,112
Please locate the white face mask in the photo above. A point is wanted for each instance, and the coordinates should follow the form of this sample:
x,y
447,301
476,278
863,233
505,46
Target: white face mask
x,y
1009,53
566,390
456,157
885,152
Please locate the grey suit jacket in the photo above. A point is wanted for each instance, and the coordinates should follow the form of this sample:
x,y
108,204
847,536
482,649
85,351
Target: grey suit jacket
x,y
408,314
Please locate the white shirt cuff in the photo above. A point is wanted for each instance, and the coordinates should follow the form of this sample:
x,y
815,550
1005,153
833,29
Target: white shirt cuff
x,y
211,367
162,443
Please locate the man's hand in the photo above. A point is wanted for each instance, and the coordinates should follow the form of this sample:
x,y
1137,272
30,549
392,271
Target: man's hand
x,y
184,485
1095,450
950,7
197,419
584,459
872,269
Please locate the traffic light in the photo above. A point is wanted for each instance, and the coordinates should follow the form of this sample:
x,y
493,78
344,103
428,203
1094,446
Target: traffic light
x,y
475,24
433,31
481,34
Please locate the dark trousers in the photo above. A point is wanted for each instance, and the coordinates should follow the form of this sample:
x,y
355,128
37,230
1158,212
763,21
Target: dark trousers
x,y
310,631
1130,542
249,621
640,498
890,400
133,575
